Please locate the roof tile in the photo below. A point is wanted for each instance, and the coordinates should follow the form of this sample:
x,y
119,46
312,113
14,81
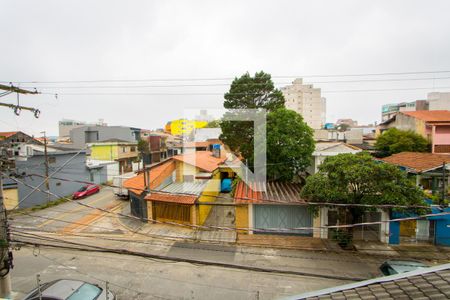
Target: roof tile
x,y
201,159
158,174
417,161
429,115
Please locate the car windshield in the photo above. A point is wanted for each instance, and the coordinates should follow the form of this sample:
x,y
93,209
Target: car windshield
x,y
86,292
83,189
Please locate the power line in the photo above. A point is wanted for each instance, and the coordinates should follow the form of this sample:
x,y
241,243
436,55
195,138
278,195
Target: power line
x,y
232,78
237,83
84,247
267,230
239,94
299,202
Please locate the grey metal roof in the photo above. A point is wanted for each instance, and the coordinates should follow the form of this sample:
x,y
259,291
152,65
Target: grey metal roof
x,y
427,283
194,188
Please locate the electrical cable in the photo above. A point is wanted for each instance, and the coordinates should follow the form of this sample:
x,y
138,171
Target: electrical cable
x,y
299,202
232,78
236,84
262,230
82,247
241,94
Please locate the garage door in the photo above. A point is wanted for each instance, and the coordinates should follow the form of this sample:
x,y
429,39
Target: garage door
x,y
283,216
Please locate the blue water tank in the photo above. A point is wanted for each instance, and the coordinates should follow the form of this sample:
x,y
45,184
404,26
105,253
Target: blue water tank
x,y
225,186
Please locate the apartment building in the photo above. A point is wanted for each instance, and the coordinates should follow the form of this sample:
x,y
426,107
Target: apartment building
x,y
307,101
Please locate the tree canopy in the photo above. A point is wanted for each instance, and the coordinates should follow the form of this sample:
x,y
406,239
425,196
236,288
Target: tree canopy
x,y
247,92
359,179
394,141
290,144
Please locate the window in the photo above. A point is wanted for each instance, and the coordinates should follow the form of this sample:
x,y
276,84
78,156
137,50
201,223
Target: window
x,y
124,149
133,148
86,292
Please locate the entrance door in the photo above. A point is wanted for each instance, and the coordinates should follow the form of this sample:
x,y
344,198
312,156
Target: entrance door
x,y
283,216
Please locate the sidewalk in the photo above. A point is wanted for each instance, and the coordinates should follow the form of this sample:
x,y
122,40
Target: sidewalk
x,y
286,242
409,251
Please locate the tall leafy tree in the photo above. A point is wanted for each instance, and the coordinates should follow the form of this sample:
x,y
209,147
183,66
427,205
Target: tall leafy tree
x,y
248,92
358,179
290,144
394,141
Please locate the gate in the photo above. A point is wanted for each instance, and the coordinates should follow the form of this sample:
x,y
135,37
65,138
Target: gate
x,y
138,207
283,216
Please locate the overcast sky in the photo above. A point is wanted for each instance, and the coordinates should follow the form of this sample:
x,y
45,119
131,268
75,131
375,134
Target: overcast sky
x,y
115,40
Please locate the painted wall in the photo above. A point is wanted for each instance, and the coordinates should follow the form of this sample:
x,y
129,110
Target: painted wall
x,y
11,198
442,135
104,152
242,217
183,126
212,189
75,170
442,227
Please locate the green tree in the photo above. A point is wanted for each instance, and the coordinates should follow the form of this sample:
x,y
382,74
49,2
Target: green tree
x,y
290,144
247,92
213,124
358,179
394,141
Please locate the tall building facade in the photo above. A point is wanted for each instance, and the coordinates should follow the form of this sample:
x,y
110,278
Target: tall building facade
x,y
307,101
439,101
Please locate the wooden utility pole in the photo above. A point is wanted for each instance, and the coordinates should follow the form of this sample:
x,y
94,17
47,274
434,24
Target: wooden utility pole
x,y
5,263
47,183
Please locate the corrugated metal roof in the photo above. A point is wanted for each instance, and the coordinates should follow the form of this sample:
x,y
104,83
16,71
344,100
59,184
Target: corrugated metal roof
x,y
193,188
275,192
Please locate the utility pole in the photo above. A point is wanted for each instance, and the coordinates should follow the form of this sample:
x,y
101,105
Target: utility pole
x,y
444,185
6,257
18,108
7,163
47,183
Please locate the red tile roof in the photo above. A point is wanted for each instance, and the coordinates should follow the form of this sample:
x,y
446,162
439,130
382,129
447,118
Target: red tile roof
x,y
276,193
430,115
203,160
158,174
7,134
416,161
172,198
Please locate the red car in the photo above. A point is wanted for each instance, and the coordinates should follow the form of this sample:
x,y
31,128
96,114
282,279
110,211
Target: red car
x,y
85,191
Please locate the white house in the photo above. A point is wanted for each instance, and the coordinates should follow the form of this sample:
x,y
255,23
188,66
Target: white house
x,y
325,149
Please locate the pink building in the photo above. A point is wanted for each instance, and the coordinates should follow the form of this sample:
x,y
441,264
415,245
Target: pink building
x,y
434,125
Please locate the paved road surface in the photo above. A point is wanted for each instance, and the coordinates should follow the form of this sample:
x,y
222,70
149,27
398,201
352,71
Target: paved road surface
x,y
59,218
139,278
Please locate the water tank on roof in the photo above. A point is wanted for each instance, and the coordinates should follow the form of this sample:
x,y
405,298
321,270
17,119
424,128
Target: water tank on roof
x,y
225,186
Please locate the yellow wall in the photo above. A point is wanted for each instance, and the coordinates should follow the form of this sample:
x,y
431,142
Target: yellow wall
x,y
11,198
242,217
183,126
212,189
182,167
104,152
